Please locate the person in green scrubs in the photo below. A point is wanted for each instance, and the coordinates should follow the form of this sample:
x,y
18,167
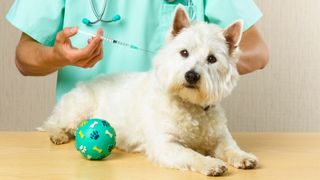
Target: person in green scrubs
x,y
50,40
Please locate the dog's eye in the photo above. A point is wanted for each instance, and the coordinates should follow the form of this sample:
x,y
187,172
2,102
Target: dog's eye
x,y
184,53
211,59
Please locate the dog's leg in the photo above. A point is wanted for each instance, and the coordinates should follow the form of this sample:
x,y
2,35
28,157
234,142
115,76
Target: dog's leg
x,y
73,108
228,150
174,155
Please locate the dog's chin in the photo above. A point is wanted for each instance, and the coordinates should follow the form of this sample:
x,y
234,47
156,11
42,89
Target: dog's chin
x,y
190,86
192,94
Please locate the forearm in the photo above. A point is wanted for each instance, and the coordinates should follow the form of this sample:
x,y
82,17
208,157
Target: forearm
x,y
254,54
251,60
34,59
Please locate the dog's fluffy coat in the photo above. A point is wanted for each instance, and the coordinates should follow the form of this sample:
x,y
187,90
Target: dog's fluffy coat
x,y
175,123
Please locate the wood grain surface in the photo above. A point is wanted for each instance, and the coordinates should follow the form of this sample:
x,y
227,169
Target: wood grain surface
x,y
30,155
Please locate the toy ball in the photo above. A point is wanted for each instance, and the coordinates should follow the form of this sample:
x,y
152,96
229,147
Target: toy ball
x,y
95,139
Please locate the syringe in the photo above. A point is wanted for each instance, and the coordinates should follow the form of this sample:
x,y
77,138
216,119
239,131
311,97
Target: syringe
x,y
113,41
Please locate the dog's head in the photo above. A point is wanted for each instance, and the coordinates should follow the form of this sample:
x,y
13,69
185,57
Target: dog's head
x,y
198,60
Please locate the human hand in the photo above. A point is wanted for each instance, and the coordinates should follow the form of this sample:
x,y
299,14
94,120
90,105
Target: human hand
x,y
65,54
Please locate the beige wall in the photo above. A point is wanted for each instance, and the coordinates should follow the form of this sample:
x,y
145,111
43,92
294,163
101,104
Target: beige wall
x,y
24,101
283,97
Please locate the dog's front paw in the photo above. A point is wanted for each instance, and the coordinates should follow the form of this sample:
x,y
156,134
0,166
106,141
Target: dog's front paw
x,y
243,160
214,167
59,138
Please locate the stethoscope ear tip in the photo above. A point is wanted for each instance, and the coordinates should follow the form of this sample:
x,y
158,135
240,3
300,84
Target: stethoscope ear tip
x,y
86,21
116,17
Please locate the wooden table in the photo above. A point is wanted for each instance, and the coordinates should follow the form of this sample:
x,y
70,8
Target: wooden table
x,y
30,155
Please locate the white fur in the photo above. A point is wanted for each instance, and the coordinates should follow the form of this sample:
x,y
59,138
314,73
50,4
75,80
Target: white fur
x,y
156,114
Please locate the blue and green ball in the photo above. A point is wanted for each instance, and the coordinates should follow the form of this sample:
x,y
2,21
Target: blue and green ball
x,y
95,139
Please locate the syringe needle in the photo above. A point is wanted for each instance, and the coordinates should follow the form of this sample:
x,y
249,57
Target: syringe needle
x,y
113,41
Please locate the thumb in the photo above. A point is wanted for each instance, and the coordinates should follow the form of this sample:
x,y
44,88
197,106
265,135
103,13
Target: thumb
x,y
66,33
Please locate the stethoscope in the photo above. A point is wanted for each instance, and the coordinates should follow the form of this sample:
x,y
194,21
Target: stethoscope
x,y
114,18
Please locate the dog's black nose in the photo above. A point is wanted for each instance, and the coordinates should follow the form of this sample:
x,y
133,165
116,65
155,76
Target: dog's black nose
x,y
192,77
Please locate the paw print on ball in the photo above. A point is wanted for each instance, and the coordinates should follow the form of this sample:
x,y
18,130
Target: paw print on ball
x,y
105,123
94,135
110,147
83,149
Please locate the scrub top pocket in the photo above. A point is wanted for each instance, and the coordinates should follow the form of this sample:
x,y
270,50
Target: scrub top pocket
x,y
165,20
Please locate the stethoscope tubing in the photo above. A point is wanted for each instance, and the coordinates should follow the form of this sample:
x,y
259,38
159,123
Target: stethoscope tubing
x,y
95,12
98,15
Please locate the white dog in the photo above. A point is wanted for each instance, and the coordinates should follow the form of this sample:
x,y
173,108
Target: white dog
x,y
171,113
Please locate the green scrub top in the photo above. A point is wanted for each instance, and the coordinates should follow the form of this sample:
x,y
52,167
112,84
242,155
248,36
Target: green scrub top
x,y
143,23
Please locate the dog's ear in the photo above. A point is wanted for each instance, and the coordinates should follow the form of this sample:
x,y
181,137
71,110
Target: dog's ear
x,y
180,20
233,34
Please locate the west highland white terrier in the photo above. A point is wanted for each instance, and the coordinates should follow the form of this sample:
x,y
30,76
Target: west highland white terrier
x,y
171,113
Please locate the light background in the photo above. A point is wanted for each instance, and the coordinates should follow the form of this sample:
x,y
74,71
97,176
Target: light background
x,y
282,97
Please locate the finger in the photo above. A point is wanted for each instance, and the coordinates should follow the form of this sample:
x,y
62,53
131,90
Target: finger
x,y
96,51
97,57
87,51
90,61
95,60
80,55
100,32
89,40
65,34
